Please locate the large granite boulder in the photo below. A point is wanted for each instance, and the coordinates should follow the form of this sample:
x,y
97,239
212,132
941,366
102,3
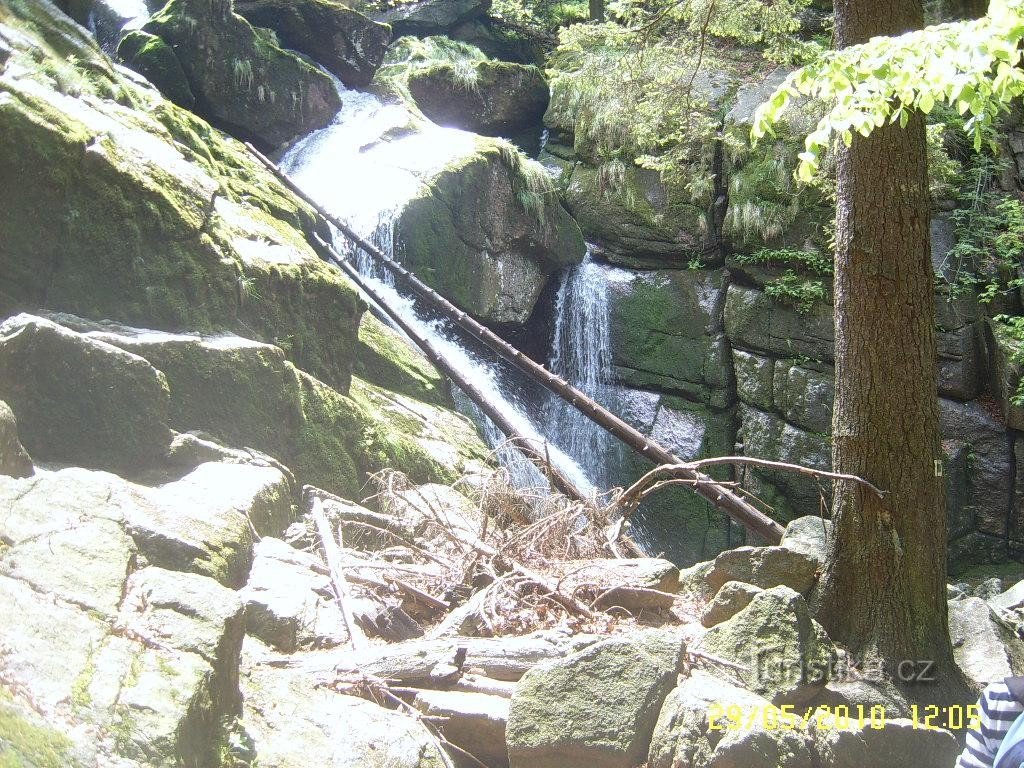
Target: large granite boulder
x,y
341,39
82,401
596,708
174,225
785,654
125,649
242,82
487,231
495,98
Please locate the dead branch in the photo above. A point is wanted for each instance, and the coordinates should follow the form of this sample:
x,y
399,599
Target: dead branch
x,y
331,551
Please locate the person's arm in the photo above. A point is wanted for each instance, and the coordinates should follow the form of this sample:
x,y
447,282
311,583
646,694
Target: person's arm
x,y
999,708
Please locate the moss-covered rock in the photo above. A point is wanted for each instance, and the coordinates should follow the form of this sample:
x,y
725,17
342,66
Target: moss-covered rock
x,y
241,81
666,333
132,209
389,360
631,213
81,401
495,98
152,58
596,708
785,654
336,36
487,231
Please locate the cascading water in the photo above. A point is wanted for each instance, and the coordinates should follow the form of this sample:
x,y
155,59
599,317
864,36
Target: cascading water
x,y
364,168
581,354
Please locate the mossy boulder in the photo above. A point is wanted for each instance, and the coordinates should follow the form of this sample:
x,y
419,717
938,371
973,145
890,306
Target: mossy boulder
x,y
242,82
81,401
246,395
596,708
388,359
637,219
152,58
487,231
785,654
343,40
495,98
173,225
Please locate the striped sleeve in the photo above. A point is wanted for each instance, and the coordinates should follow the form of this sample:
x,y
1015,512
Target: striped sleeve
x,y
999,709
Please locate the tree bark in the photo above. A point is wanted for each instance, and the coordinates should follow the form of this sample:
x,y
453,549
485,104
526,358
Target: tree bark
x,y
596,10
883,591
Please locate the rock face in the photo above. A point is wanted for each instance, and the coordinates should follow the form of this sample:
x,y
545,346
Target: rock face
x,y
985,646
495,98
216,243
341,39
242,82
14,460
764,567
596,708
81,401
487,232
793,656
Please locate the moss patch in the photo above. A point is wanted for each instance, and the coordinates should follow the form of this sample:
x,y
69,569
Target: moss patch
x,y
25,744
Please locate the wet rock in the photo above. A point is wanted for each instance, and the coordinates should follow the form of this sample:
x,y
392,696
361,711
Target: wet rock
x,y
336,36
288,600
81,401
468,235
14,459
251,88
732,598
596,708
495,98
791,658
985,646
765,567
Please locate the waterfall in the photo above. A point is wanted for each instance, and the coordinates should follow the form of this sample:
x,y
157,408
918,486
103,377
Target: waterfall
x,y
581,354
364,168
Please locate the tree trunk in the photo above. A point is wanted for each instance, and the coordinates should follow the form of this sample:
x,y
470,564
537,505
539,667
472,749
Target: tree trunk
x,y
596,10
883,592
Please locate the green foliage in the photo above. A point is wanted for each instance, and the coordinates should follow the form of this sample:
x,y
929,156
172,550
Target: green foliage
x,y
800,286
972,66
811,262
989,227
546,15
410,54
